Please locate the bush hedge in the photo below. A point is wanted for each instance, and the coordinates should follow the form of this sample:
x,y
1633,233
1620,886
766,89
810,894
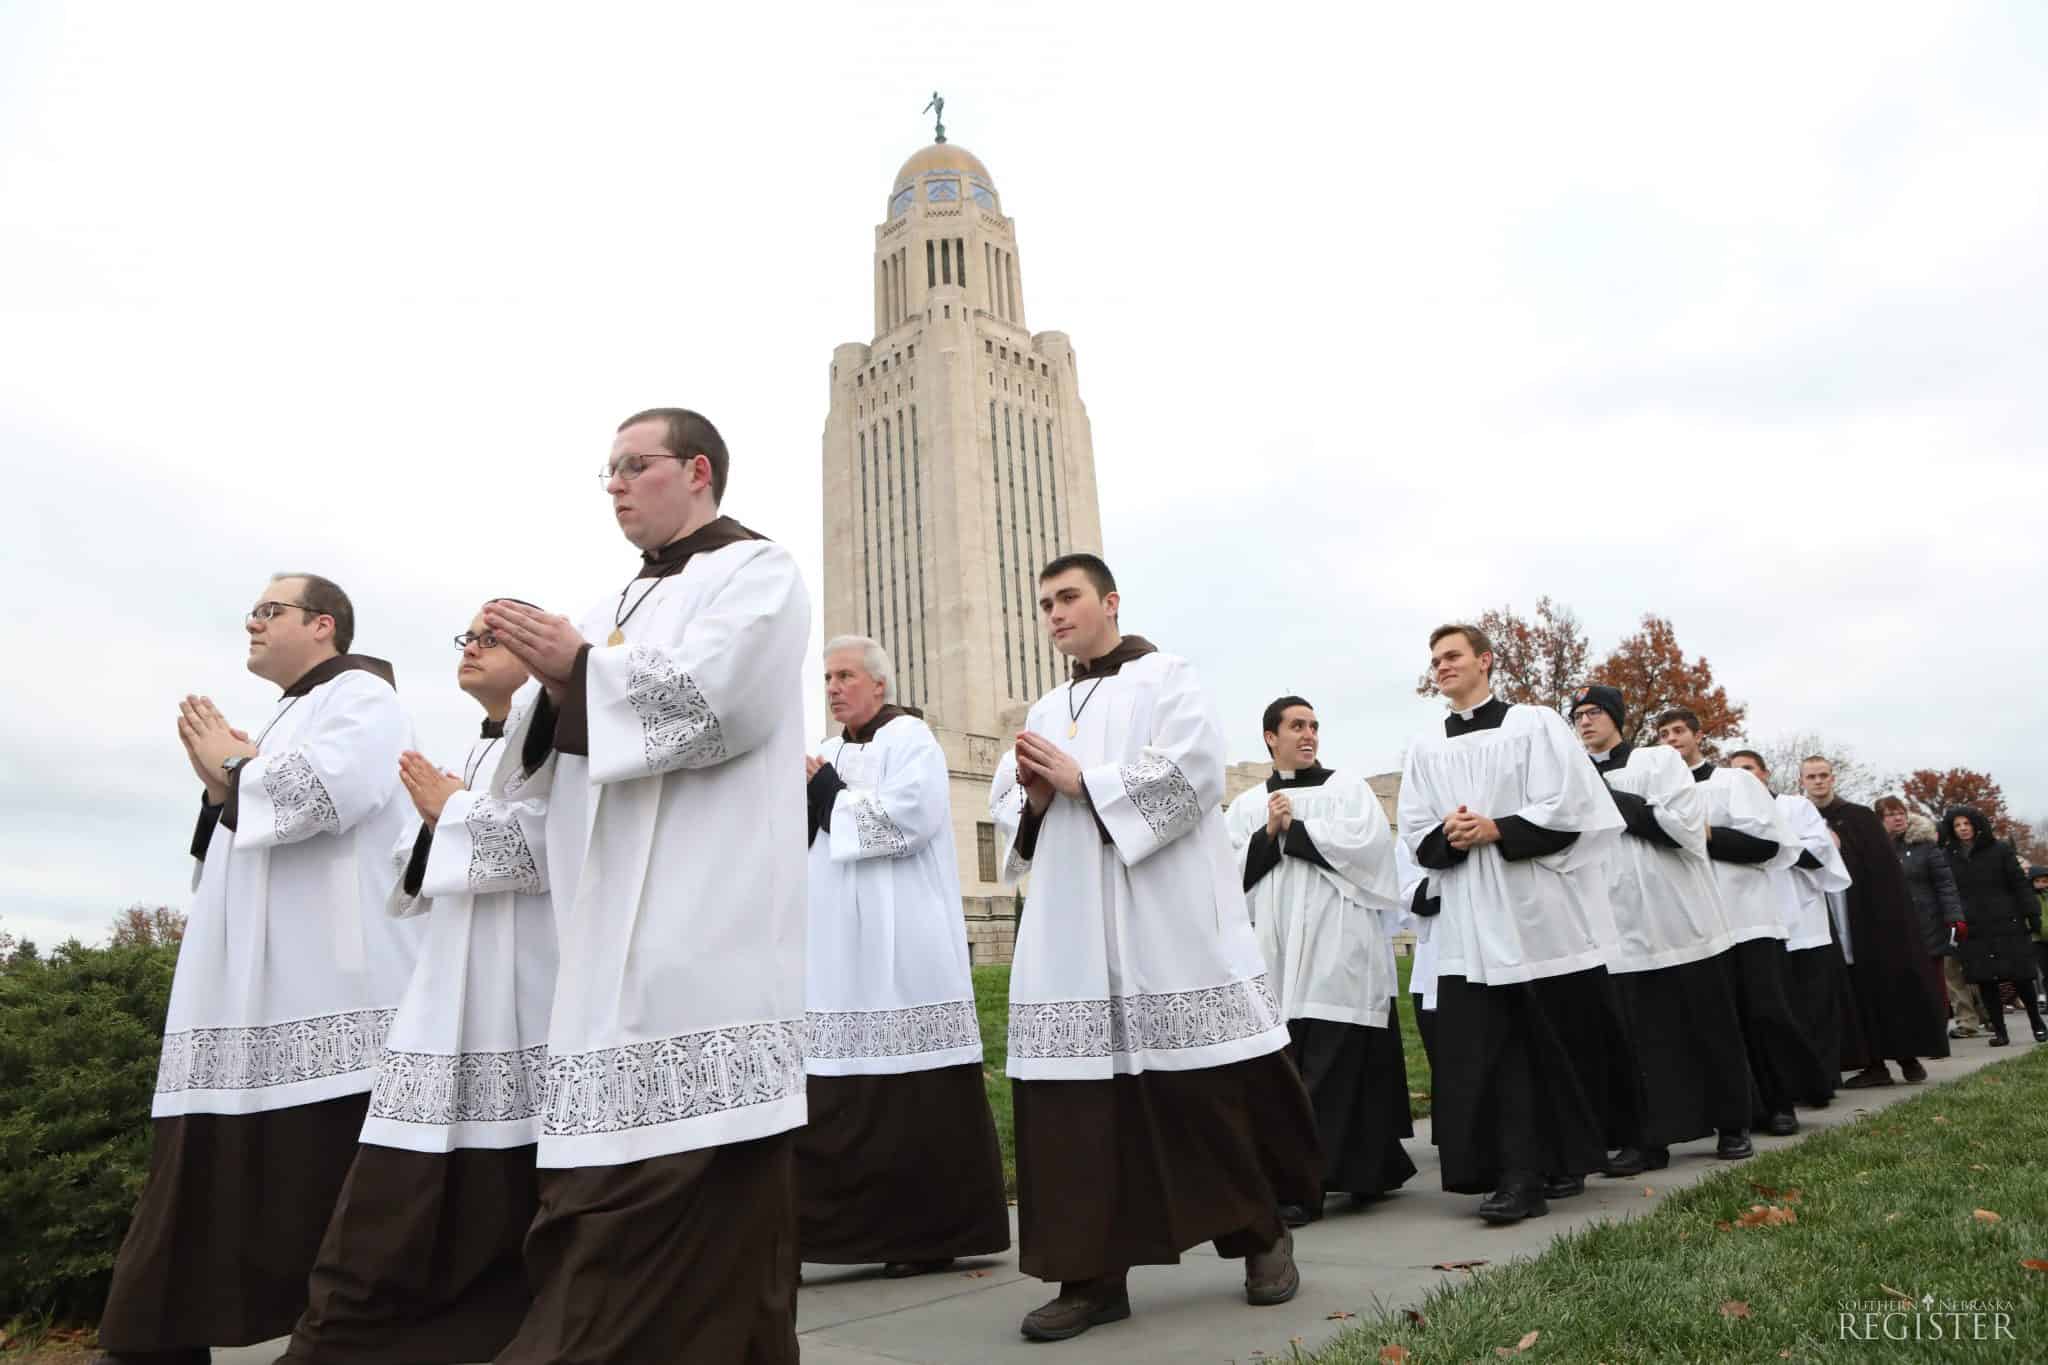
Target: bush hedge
x,y
79,1034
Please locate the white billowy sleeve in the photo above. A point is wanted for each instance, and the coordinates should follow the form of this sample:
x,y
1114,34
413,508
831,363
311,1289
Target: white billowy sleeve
x,y
1006,810
1565,794
1148,803
712,694
905,810
1810,828
339,769
1409,876
1243,818
1752,810
1360,849
1677,803
484,844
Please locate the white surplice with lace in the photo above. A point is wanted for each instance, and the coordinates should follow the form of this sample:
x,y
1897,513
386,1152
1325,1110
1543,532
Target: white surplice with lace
x,y
465,1062
290,971
1136,954
890,986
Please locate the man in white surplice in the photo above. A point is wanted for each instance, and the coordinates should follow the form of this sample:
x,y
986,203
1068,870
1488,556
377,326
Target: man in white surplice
x,y
1155,1105
1321,886
286,982
1512,826
1747,840
423,1257
1816,974
900,1162
675,842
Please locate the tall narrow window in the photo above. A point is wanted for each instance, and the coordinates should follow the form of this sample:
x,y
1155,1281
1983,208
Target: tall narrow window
x,y
907,660
1054,460
1044,527
960,255
1010,283
1021,468
985,849
1017,552
875,556
988,274
946,260
892,626
995,484
867,600
931,269
924,620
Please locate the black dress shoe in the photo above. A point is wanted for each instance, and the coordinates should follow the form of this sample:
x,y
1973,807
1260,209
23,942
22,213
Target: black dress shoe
x,y
1868,1078
1626,1162
1298,1215
1782,1125
2040,1034
1512,1203
1734,1146
1563,1186
1999,1040
1912,1071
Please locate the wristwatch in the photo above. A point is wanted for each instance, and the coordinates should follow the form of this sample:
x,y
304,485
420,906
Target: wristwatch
x,y
228,766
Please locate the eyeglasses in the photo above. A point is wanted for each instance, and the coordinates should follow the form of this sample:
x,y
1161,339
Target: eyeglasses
x,y
264,611
631,467
487,640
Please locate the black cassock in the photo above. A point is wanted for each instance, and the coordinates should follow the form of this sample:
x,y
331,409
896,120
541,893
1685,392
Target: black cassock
x,y
1900,1001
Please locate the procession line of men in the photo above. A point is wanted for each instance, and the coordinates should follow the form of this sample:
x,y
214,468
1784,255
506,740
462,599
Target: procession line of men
x,y
579,1053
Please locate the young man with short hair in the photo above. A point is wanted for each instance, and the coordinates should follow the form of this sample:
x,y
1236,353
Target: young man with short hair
x,y
286,982
1512,826
422,1260
1898,992
1320,883
1748,840
1669,967
1155,1105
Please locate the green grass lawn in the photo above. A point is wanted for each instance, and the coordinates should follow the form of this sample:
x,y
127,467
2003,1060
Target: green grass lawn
x,y
992,1003
1881,1211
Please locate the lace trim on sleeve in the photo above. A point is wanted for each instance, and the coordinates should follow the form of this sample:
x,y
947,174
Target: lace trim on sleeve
x,y
299,803
499,857
1162,795
679,728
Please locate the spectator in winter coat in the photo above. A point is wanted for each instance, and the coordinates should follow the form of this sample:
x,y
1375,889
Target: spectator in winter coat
x,y
2039,877
1934,895
2000,917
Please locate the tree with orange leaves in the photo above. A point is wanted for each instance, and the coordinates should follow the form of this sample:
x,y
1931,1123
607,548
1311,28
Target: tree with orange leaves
x,y
1934,793
1652,673
1536,663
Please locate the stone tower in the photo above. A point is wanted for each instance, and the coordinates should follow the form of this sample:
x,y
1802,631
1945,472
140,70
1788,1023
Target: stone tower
x,y
958,461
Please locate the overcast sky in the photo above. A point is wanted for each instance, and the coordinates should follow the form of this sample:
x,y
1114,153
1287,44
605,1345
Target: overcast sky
x,y
1384,314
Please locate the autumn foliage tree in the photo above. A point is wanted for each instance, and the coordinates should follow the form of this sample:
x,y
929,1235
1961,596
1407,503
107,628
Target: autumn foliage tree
x,y
1652,674
1535,662
1933,793
148,927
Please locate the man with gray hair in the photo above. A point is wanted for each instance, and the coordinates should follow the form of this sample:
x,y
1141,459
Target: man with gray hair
x,y
899,1163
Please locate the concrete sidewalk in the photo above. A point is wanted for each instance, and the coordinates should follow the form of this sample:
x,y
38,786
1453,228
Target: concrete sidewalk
x,y
1352,1262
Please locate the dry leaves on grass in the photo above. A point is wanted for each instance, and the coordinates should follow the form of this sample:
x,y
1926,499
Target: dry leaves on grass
x,y
1339,1316
1456,1265
1393,1355
1507,1352
1985,1216
1415,1318
1905,1300
2031,1264
1766,1216
1649,1190
1734,1308
1790,1196
1941,1118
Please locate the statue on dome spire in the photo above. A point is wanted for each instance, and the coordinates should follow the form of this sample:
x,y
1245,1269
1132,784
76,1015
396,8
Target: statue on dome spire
x,y
937,108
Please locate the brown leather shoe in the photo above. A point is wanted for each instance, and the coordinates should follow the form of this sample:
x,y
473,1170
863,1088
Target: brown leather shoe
x,y
1270,1276
1082,1304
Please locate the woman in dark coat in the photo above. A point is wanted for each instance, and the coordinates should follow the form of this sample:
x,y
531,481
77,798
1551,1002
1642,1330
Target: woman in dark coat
x,y
2000,917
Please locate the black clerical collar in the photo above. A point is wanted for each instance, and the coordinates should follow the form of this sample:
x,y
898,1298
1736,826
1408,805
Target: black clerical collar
x,y
1705,772
1488,715
866,733
1613,758
493,729
712,535
1128,649
327,670
1315,775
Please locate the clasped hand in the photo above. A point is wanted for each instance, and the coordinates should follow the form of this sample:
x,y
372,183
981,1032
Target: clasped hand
x,y
1279,815
1044,768
209,742
547,644
1465,830
428,786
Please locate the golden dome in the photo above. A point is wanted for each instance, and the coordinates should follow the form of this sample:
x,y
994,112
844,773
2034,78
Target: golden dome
x,y
943,156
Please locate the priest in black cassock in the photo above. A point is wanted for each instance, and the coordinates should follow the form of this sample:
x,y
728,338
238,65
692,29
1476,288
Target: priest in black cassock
x,y
1685,1036
1156,1108
1899,1001
1323,891
1513,827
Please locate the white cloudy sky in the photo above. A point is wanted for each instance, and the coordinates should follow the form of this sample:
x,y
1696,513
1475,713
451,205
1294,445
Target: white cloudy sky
x,y
1385,313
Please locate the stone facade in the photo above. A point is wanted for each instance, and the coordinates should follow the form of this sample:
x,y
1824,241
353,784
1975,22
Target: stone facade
x,y
957,461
